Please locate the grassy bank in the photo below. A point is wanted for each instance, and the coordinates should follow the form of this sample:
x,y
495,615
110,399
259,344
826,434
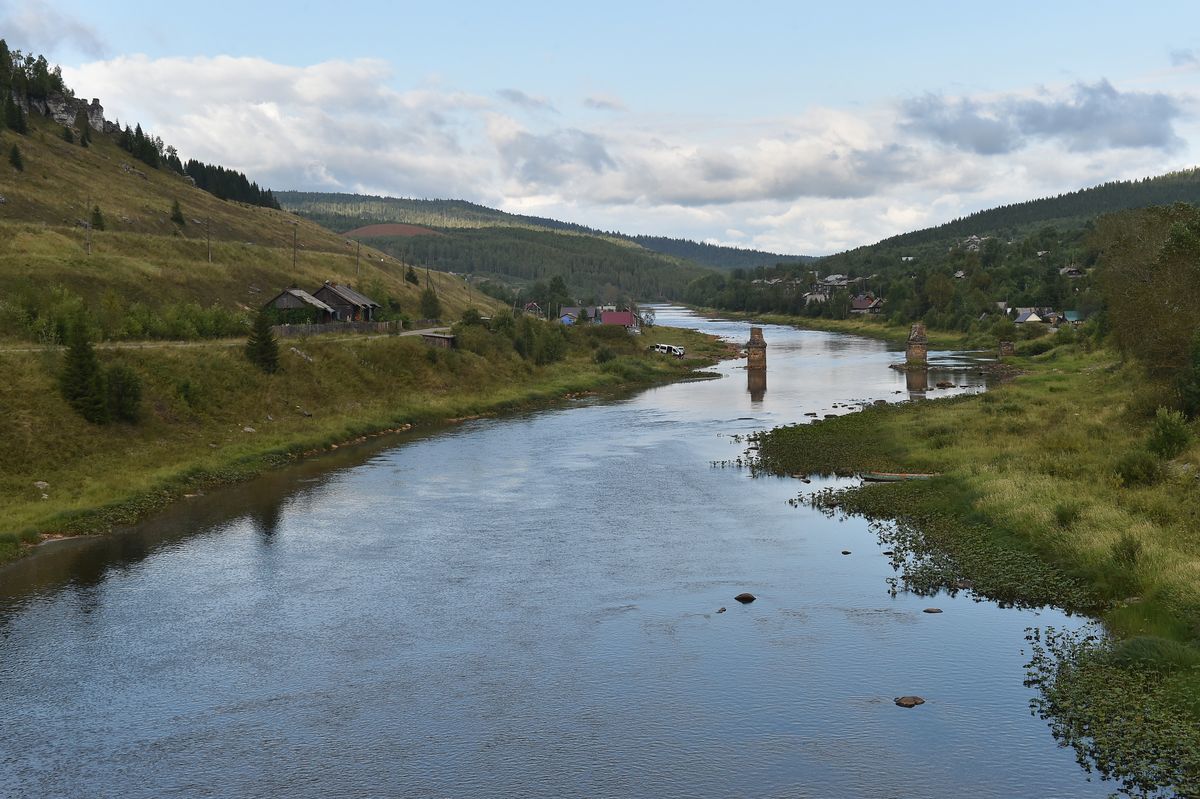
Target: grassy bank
x,y
209,416
1047,494
863,325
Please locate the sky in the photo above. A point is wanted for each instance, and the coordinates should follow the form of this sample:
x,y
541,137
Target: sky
x,y
792,127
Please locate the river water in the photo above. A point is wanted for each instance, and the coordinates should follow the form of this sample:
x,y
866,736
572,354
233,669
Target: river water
x,y
525,606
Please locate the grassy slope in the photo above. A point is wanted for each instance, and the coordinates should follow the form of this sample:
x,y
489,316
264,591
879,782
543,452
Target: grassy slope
x,y
1029,507
143,256
197,400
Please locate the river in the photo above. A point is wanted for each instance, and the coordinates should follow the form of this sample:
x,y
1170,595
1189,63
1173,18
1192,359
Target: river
x,y
525,606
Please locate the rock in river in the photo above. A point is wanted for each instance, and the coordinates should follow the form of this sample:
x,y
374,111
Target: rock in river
x,y
745,599
909,701
932,610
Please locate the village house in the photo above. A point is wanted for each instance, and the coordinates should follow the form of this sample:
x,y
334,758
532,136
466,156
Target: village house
x,y
578,315
865,303
626,319
297,306
346,303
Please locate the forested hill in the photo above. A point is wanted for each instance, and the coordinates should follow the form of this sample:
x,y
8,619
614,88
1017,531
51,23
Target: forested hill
x,y
716,255
1065,211
594,269
343,212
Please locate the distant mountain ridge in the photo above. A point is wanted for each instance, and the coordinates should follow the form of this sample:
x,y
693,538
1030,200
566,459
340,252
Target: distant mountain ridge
x,y
1069,210
344,212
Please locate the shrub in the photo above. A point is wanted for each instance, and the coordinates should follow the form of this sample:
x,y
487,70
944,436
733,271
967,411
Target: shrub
x,y
1170,435
1066,514
1138,467
14,158
177,214
124,393
603,355
471,318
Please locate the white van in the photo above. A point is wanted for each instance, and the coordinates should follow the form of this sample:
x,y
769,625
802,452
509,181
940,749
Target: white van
x,y
668,349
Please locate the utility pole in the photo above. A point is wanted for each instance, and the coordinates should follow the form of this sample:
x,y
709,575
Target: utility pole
x,y
208,236
88,223
357,252
295,237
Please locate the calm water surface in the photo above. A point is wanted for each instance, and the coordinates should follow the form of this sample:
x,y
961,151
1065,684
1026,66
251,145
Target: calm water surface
x,y
524,606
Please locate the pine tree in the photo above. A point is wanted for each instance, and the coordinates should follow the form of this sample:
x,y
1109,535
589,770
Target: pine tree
x,y
82,382
431,306
68,135
97,218
177,214
261,348
14,158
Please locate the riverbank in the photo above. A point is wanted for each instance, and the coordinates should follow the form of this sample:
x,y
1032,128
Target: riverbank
x,y
875,327
209,417
1046,494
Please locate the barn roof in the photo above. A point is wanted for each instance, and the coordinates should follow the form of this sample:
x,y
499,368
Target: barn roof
x,y
351,296
304,297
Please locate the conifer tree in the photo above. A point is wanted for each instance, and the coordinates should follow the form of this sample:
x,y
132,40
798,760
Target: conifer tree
x,y
431,306
261,348
177,214
97,218
124,393
14,158
68,135
82,381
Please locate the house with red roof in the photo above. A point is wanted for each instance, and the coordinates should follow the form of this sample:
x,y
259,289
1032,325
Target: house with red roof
x,y
626,319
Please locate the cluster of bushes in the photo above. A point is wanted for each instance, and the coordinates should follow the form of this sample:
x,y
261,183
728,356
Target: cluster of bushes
x,y
45,315
1169,437
533,340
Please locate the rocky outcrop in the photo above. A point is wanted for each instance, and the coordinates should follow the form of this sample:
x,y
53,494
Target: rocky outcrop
x,y
66,110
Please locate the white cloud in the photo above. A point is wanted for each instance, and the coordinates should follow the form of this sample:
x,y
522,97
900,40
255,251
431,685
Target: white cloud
x,y
35,26
817,182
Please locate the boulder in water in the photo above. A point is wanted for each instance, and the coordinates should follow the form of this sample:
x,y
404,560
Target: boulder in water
x,y
745,598
909,701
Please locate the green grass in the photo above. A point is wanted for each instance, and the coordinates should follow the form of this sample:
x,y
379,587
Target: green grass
x,y
1031,506
197,401
144,257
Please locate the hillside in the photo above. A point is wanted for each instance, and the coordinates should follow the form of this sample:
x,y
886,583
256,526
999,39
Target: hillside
x,y
146,262
344,212
1039,253
593,269
1064,211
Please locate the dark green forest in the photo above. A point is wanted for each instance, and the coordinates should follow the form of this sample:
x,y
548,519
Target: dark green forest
x,y
595,269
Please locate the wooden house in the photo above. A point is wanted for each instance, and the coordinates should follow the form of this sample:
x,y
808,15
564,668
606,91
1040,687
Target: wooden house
x,y
347,304
297,306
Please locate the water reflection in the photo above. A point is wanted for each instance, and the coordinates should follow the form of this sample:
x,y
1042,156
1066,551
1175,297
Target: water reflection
x,y
756,384
917,383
